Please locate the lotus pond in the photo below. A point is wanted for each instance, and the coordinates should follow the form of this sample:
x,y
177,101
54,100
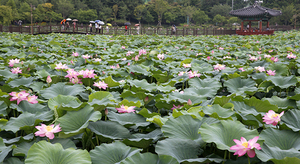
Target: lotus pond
x,y
149,99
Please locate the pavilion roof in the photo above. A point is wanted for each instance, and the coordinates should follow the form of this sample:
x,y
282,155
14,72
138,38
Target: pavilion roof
x,y
255,11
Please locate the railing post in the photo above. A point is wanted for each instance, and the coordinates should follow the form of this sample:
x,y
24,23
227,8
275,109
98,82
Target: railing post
x,y
183,31
50,28
10,28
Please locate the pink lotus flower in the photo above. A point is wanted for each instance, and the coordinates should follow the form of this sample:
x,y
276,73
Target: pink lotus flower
x,y
181,73
272,118
193,74
129,53
208,58
126,109
242,147
61,66
75,54
113,67
97,60
100,85
161,56
87,73
219,67
75,80
260,69
221,48
47,131
49,80
136,58
187,65
13,61
241,69
291,56
270,51
123,47
274,59
18,96
176,107
72,74
32,99
16,70
86,56
226,57
271,73
212,51
253,58
189,102
142,51
267,56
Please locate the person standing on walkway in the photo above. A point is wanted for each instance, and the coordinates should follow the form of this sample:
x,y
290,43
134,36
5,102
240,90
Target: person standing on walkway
x,y
107,29
138,29
91,27
126,28
173,29
96,27
100,27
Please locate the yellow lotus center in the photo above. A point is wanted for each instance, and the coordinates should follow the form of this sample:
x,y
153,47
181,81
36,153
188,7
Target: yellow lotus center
x,y
126,107
245,144
275,115
49,128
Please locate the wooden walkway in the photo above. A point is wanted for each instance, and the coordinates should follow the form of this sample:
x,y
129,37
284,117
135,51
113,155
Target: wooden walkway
x,y
121,31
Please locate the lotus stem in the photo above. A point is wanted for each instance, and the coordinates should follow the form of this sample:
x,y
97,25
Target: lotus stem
x,y
225,154
248,160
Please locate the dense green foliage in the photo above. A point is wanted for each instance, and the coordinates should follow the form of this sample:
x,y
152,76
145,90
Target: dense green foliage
x,y
152,12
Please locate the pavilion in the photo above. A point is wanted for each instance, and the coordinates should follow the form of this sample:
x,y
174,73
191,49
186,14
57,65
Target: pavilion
x,y
256,12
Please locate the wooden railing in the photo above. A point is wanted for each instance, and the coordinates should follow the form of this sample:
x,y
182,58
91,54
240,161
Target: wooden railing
x,y
121,31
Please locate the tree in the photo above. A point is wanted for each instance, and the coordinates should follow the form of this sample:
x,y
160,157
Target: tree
x,y
115,11
189,11
105,13
24,11
124,12
5,15
85,15
200,17
220,9
219,19
233,20
12,5
288,13
138,12
160,8
65,7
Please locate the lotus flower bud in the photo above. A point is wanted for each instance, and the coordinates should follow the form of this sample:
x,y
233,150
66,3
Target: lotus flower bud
x,y
106,111
146,99
49,80
189,102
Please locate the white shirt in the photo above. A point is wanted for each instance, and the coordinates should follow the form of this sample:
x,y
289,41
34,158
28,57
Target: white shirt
x,y
96,25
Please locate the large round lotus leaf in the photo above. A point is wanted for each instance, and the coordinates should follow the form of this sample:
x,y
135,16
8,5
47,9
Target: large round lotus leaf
x,y
7,74
143,140
137,69
283,139
25,106
182,127
111,82
112,153
184,97
13,160
68,103
223,133
22,81
240,86
74,122
204,92
181,149
45,152
280,69
260,105
202,160
292,119
296,96
205,83
216,111
142,85
149,158
283,81
100,95
4,150
128,119
3,108
61,89
100,105
26,121
160,121
282,103
278,156
104,128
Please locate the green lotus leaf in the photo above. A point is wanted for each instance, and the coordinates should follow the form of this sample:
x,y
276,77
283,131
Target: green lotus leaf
x,y
160,76
26,121
42,73
143,140
128,119
283,139
142,85
68,103
74,122
125,102
203,92
248,114
260,105
240,86
277,155
283,81
146,113
103,128
4,150
181,149
202,160
25,106
99,105
112,153
223,133
292,119
111,82
138,69
3,108
61,89
165,89
37,86
149,158
280,69
7,74
282,103
160,121
216,111
22,81
296,96
100,95
221,100
13,160
184,97
194,112
45,152
205,83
